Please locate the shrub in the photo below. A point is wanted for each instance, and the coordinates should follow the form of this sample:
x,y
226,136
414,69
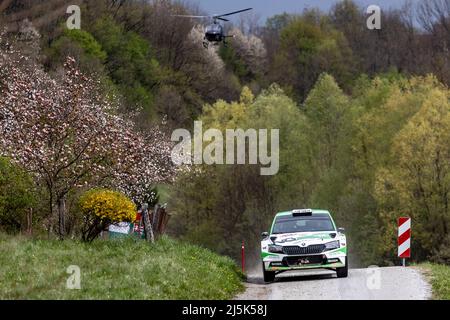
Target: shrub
x,y
442,254
81,46
16,195
91,47
101,208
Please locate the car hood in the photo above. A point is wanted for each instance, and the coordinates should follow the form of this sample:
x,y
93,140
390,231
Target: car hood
x,y
304,238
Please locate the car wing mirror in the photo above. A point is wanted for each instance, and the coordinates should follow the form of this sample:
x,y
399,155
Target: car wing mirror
x,y
264,235
341,230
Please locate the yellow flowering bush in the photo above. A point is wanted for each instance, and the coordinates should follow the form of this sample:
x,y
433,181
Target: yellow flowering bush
x,y
102,207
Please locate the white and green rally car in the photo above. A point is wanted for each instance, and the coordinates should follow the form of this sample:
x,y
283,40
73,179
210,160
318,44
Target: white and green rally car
x,y
303,239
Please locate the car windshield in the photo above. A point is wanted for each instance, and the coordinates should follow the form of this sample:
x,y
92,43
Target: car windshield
x,y
290,224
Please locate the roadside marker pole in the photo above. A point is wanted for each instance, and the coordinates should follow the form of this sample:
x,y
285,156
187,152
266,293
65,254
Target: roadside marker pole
x,y
404,238
243,257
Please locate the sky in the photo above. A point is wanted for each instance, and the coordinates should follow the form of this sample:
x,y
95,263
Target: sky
x,y
267,8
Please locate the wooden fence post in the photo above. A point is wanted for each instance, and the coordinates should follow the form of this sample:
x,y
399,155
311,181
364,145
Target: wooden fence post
x,y
156,217
30,221
147,224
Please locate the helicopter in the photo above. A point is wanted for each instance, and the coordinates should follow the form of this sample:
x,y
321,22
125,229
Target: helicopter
x,y
214,32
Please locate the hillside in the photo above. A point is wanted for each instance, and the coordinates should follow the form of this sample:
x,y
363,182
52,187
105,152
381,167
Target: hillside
x,y
121,269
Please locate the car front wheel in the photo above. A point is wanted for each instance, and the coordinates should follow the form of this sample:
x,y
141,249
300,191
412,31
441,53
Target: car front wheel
x,y
269,276
343,272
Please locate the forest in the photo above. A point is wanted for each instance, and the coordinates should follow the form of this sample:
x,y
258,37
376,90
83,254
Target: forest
x,y
364,119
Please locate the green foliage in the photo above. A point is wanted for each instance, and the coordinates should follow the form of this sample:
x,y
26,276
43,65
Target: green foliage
x,y
130,63
86,41
309,46
330,125
383,110
119,269
416,180
368,158
327,108
439,276
236,199
234,62
79,44
278,22
442,253
17,196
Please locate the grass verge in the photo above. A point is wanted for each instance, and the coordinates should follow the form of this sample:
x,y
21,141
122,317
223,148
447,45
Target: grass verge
x,y
439,277
119,269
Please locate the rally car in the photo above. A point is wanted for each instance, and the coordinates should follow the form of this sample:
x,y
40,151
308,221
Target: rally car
x,y
303,239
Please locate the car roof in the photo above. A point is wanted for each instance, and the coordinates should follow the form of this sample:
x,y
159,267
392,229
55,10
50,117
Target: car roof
x,y
314,211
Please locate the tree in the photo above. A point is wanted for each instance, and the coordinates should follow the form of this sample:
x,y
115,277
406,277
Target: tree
x,y
330,125
236,198
417,182
131,65
309,46
382,108
67,133
17,195
348,18
327,109
434,17
246,55
80,45
270,34
5,4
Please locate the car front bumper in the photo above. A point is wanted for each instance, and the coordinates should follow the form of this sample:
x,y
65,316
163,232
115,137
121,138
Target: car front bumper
x,y
282,262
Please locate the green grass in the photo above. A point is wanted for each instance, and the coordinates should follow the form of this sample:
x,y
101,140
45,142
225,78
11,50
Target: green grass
x,y
120,269
439,277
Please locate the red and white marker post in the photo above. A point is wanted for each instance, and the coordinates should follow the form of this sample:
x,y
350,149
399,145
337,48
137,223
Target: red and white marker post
x,y
404,238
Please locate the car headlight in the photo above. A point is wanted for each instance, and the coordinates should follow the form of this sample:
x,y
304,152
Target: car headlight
x,y
275,248
332,245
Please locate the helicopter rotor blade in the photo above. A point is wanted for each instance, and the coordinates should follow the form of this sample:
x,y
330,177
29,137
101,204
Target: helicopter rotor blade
x,y
187,16
223,19
231,13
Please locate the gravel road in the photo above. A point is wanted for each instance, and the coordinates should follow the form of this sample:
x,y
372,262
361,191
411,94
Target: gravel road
x,y
391,283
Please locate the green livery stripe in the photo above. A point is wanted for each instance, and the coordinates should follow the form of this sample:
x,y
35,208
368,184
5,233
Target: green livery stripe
x,y
267,254
343,250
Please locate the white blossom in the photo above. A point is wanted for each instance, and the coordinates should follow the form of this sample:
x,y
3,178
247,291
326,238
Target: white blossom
x,y
67,134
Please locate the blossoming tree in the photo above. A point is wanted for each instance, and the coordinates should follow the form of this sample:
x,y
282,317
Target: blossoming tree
x,y
69,135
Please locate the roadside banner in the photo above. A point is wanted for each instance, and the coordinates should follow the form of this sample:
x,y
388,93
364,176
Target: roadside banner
x,y
119,229
404,238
